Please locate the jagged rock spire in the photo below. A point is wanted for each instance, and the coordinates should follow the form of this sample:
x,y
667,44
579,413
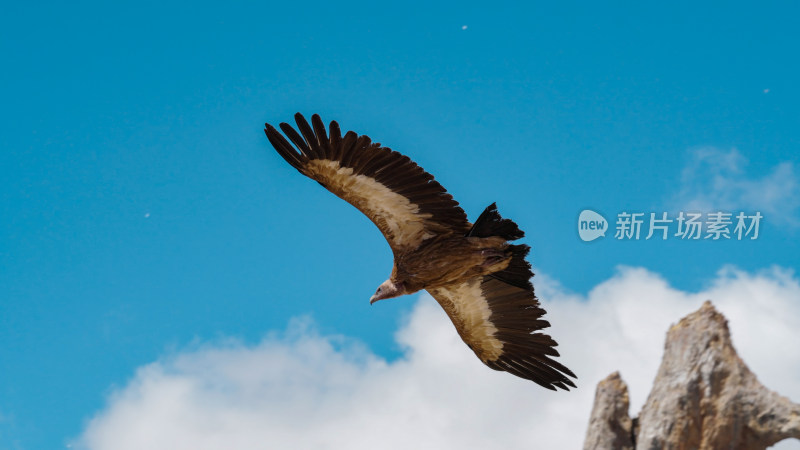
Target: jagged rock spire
x,y
704,397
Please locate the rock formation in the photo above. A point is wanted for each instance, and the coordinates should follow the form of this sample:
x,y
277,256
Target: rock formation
x,y
610,426
703,397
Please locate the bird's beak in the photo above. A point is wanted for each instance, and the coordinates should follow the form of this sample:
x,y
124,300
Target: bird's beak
x,y
375,298
387,289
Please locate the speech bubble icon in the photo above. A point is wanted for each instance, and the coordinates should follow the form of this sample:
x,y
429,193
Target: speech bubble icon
x,y
591,225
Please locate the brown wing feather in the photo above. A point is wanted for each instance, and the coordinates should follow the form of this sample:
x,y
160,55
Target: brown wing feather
x,y
498,321
403,200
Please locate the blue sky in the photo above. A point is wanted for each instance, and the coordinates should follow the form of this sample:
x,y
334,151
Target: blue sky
x,y
143,209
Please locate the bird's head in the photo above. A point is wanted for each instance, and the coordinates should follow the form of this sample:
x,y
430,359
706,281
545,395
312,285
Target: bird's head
x,y
388,289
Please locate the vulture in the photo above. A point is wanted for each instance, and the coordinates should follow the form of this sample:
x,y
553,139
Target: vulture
x,y
479,278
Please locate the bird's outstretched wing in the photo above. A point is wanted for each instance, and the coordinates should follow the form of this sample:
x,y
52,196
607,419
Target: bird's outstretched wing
x,y
403,200
499,321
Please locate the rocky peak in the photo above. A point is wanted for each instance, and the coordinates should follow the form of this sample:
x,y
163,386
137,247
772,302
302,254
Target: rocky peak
x,y
704,397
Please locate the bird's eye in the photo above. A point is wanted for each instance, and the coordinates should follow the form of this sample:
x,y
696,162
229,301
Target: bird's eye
x,y
378,291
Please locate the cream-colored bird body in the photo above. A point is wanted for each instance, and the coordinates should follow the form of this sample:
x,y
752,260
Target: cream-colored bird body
x,y
480,279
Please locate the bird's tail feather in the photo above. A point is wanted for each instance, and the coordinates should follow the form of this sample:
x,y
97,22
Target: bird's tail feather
x,y
490,223
518,273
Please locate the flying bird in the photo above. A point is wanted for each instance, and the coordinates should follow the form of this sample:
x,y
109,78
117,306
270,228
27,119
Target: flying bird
x,y
479,278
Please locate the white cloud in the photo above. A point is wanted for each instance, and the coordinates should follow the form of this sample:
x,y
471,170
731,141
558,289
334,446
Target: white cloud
x,y
717,180
299,389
